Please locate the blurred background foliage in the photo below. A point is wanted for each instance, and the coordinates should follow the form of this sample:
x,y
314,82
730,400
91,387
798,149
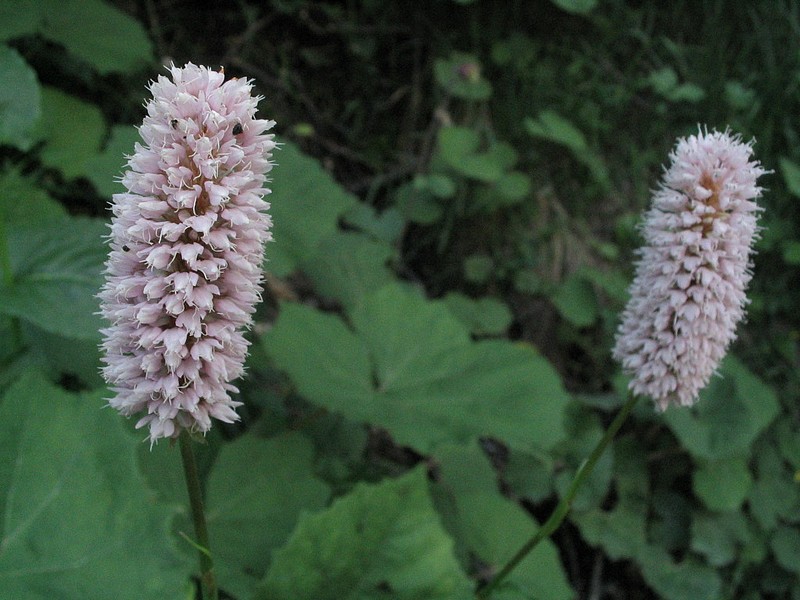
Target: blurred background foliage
x,y
455,208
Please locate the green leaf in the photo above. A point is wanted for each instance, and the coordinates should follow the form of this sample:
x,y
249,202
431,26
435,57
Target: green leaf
x,y
552,127
441,186
387,226
57,271
492,527
97,32
513,186
104,170
379,541
716,536
23,203
72,131
576,301
478,268
775,494
348,266
410,366
679,581
484,316
306,205
730,414
461,76
19,18
723,484
257,489
791,175
20,105
76,517
456,142
785,544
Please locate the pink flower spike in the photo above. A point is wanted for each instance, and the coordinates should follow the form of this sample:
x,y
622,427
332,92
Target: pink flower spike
x,y
688,294
195,195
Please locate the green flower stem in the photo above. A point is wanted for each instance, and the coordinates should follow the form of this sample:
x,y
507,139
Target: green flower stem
x,y
207,576
565,504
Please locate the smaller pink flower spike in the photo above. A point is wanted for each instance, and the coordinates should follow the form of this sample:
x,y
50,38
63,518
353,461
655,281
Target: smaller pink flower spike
x,y
184,271
688,294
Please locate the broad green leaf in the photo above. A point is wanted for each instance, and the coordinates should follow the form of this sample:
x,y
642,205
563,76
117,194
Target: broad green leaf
x,y
730,414
785,543
461,76
23,203
576,301
97,32
104,170
679,581
513,186
714,536
72,131
256,491
552,127
386,226
20,105
410,367
19,18
306,205
77,518
484,316
441,186
723,485
456,142
491,527
478,268
791,175
348,266
57,271
60,355
379,541
775,494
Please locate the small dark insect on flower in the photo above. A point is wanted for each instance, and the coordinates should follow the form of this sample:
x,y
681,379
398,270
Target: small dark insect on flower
x,y
174,123
237,129
125,248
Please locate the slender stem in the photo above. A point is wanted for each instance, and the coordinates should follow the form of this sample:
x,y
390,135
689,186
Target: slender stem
x,y
563,507
207,576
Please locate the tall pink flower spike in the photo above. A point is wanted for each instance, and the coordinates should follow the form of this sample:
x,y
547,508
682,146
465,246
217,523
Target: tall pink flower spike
x,y
184,271
688,294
